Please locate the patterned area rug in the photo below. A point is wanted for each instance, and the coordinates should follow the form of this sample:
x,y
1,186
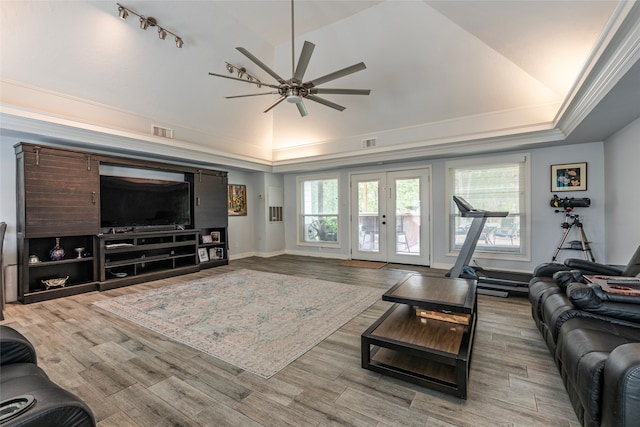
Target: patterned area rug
x,y
257,321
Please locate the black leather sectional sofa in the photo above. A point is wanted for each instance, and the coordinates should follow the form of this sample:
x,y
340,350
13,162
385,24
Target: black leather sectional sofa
x,y
594,338
28,397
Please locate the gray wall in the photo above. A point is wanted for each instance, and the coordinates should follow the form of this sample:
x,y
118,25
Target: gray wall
x,y
545,225
614,194
622,186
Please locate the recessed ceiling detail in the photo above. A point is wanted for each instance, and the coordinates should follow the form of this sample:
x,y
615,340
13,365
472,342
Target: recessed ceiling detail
x,y
443,73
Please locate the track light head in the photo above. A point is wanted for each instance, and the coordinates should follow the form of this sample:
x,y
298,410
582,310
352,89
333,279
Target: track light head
x,y
147,22
179,42
122,12
162,33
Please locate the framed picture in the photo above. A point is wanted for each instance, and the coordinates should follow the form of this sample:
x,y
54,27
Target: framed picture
x,y
202,254
569,177
215,236
206,238
219,253
212,253
237,200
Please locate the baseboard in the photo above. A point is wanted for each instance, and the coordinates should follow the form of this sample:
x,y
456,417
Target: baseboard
x,y
318,254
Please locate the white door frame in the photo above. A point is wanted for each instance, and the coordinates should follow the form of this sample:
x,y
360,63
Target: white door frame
x,y
386,248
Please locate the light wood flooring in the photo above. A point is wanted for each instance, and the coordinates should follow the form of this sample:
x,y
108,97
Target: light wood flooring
x,y
131,376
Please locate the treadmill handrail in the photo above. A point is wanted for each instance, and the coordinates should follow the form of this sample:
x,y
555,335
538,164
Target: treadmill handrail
x,y
466,210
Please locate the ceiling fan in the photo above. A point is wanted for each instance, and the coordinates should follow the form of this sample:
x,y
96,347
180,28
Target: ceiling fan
x,y
295,90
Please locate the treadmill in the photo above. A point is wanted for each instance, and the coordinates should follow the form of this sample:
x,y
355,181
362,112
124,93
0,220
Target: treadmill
x,y
490,282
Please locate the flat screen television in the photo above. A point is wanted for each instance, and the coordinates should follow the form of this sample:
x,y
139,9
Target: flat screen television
x,y
142,202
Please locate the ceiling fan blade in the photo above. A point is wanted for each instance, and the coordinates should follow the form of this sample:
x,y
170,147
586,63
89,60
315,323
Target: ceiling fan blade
x,y
260,64
303,62
244,80
341,91
325,102
302,109
336,75
276,102
251,94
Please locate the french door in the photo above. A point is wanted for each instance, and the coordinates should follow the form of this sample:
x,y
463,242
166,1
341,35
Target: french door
x,y
390,216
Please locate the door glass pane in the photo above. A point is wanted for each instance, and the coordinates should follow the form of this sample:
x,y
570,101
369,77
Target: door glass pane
x,y
407,211
368,216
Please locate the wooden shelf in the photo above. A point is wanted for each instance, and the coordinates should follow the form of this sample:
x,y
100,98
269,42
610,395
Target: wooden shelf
x,y
58,196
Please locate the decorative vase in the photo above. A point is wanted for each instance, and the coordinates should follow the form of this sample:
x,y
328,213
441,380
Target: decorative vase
x,y
57,253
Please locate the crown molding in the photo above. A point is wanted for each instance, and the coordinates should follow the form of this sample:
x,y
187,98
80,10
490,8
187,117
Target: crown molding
x,y
38,127
618,50
499,144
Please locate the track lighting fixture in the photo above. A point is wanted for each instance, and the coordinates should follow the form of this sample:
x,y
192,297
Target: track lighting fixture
x,y
146,22
242,72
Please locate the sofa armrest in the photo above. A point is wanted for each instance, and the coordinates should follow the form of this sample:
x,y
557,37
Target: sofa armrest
x,y
590,267
621,391
15,348
548,269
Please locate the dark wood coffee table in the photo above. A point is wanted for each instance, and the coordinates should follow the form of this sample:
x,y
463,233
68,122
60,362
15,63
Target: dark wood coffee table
x,y
427,336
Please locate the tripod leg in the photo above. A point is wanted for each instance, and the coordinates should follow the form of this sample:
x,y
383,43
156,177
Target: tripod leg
x,y
567,229
586,247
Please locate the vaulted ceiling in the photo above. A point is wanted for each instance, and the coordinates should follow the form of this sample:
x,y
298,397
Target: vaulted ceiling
x,y
446,77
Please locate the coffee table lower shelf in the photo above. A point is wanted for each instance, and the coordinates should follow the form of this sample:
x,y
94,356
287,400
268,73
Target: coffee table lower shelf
x,y
427,352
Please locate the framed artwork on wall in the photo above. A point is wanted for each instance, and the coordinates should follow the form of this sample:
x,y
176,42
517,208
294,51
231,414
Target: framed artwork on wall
x,y
237,200
569,177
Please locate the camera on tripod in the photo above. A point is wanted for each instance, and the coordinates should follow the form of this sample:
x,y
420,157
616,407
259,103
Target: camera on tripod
x,y
568,204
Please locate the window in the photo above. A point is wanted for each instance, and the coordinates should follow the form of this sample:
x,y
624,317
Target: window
x,y
318,211
496,184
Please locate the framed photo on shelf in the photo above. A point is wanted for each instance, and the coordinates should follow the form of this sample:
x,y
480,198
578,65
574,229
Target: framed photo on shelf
x,y
202,254
219,253
215,236
207,238
237,200
569,177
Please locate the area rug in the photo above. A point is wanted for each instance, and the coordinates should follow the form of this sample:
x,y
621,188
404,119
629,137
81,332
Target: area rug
x,y
257,321
363,264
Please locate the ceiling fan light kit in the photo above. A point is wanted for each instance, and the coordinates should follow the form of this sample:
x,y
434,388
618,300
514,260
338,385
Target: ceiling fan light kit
x,y
146,22
295,90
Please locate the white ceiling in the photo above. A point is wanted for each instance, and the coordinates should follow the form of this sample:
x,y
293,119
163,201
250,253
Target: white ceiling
x,y
440,72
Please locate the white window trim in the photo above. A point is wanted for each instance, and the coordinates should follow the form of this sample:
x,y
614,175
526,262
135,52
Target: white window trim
x,y
299,213
449,206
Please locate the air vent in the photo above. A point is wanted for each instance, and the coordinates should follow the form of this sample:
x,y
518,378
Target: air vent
x,y
368,143
162,132
275,213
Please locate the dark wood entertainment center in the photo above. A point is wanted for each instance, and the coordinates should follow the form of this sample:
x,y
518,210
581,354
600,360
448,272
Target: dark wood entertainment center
x,y
58,197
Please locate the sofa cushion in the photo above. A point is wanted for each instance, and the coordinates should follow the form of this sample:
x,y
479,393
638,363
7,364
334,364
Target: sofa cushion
x,y
15,348
582,352
594,300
